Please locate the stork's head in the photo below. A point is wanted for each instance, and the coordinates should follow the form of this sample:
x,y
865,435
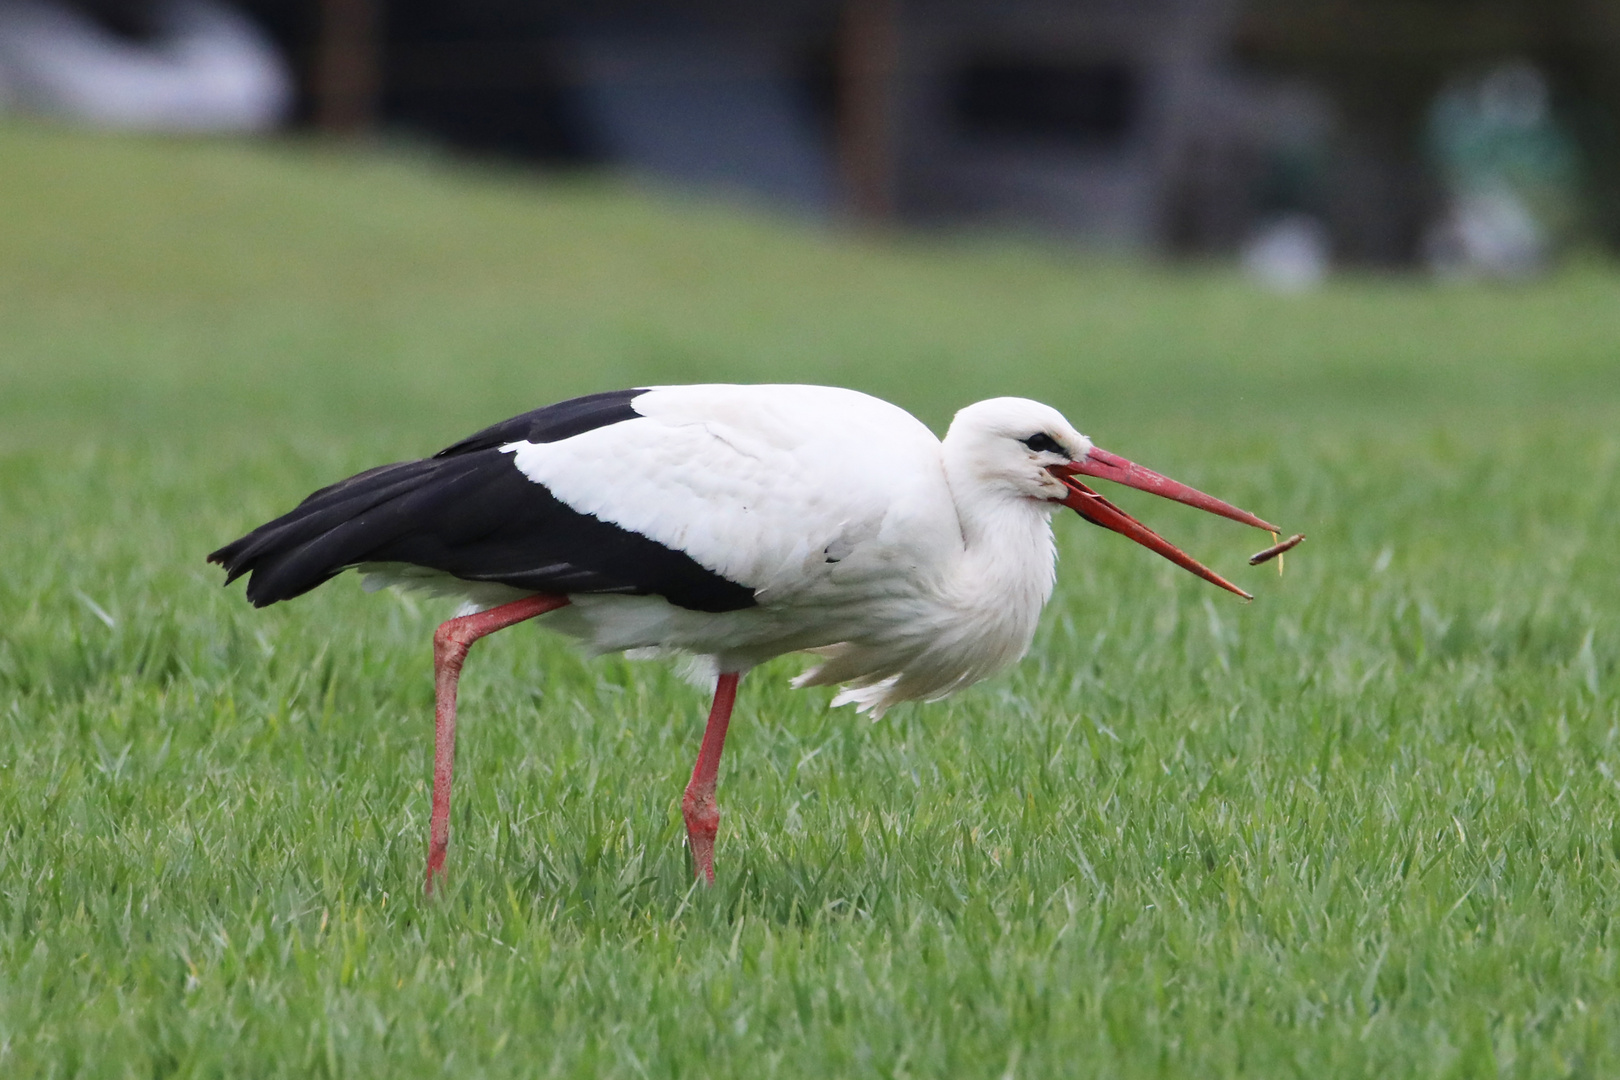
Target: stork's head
x,y
1017,448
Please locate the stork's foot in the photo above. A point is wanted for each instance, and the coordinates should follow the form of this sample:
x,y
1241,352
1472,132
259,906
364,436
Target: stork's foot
x,y
702,825
435,865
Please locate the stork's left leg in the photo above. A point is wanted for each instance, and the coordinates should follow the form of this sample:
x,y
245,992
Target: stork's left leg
x,y
698,807
450,644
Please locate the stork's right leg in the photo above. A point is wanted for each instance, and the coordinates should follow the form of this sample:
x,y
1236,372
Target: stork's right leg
x,y
698,807
450,644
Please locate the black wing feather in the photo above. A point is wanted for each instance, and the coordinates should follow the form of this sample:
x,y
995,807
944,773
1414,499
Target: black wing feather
x,y
553,423
471,513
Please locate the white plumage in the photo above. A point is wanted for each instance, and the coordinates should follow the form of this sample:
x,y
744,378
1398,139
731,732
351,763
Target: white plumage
x,y
838,510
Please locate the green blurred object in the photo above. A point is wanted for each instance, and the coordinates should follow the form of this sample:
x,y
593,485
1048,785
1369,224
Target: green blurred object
x,y
1512,173
1367,825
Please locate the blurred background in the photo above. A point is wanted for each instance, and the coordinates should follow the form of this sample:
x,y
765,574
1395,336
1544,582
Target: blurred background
x,y
1458,137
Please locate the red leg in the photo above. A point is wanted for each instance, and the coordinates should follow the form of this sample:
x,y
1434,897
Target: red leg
x,y
450,644
698,807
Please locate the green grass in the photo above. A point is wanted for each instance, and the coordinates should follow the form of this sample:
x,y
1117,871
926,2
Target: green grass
x,y
1368,825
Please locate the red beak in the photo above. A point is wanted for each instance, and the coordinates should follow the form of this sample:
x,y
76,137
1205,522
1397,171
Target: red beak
x,y
1099,511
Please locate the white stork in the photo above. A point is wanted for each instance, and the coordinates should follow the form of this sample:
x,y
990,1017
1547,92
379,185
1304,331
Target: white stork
x,y
733,523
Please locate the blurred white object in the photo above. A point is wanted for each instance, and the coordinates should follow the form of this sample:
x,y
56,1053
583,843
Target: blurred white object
x,y
1289,253
207,69
1486,233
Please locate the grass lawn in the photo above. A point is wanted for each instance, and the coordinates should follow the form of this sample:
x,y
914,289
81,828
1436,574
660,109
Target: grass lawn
x,y
1368,825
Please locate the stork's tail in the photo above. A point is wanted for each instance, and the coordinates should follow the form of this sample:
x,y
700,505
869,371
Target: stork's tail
x,y
332,530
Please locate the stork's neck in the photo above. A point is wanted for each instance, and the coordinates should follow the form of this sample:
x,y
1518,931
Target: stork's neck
x,y
976,615
1008,563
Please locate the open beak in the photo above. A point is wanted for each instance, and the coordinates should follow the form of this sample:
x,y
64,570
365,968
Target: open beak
x,y
1099,511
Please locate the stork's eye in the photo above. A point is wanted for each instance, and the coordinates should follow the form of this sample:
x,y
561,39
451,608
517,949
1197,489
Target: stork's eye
x,y
1043,443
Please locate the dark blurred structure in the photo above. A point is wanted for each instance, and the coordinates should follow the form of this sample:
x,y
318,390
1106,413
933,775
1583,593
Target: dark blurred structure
x,y
1179,125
